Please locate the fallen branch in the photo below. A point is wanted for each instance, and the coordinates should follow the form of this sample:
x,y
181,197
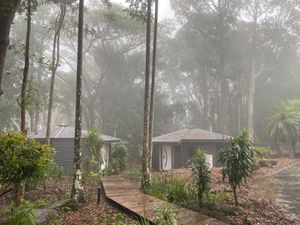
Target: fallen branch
x,y
5,192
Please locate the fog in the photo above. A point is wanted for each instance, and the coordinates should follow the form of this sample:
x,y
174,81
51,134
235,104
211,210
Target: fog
x,y
220,74
223,68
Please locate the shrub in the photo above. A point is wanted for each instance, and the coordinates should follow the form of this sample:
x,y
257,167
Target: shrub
x,y
132,175
95,144
172,189
56,172
166,215
201,174
21,159
217,196
262,153
23,214
119,158
238,161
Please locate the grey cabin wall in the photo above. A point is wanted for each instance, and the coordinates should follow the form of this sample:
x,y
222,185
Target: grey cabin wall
x,y
64,151
155,157
211,148
184,152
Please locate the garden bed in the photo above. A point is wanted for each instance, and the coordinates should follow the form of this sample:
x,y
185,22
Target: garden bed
x,y
254,208
88,213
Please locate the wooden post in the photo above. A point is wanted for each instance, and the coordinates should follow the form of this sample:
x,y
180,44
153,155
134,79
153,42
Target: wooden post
x,y
98,197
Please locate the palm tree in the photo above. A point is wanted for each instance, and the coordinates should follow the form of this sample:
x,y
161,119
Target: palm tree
x,y
77,194
284,123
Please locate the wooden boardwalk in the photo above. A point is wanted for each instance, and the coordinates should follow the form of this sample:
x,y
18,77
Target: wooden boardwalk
x,y
127,195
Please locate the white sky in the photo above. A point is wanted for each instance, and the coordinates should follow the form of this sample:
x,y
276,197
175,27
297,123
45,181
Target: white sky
x,y
165,11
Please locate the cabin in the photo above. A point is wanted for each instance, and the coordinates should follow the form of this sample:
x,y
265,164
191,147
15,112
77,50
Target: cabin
x,y
62,140
175,150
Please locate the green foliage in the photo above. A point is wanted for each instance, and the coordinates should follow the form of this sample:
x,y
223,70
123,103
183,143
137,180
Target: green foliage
x,y
284,123
201,174
217,196
95,176
22,158
238,161
95,144
56,172
132,175
261,153
137,9
23,214
166,215
172,189
122,219
119,158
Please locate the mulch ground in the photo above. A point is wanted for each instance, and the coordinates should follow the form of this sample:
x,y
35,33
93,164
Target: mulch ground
x,y
88,214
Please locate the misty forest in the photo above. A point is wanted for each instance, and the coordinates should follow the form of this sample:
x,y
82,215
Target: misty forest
x,y
149,112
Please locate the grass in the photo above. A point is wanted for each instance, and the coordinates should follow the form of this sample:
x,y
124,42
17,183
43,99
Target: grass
x,y
175,190
133,174
171,189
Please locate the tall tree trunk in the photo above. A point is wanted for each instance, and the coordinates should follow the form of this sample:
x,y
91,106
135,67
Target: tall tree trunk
x,y
250,99
8,9
252,77
224,116
223,112
204,92
146,175
25,71
32,118
152,90
77,194
20,189
37,119
55,62
19,193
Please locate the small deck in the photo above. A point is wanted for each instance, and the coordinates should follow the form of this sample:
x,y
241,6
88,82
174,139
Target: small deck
x,y
126,194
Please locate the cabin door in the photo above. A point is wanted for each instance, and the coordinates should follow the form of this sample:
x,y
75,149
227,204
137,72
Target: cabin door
x,y
166,156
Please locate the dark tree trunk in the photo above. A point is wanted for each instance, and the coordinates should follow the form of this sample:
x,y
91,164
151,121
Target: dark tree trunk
x,y
152,90
146,175
55,62
77,194
25,71
8,9
235,196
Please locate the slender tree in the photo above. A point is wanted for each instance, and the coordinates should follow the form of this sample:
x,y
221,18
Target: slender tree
x,y
146,175
25,70
20,189
55,62
77,194
8,9
152,90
